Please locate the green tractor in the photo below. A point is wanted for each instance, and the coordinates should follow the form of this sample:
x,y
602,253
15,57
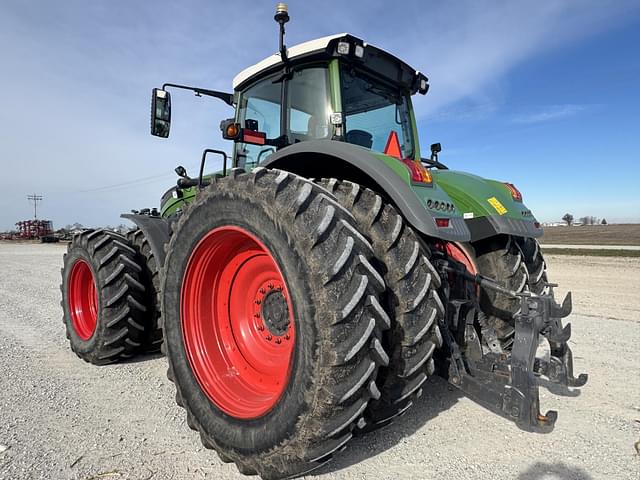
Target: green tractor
x,y
305,293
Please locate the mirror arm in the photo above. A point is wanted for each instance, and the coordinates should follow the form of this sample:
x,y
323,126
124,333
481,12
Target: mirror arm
x,y
225,97
434,163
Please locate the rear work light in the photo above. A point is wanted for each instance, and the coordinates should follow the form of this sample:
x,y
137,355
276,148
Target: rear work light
x,y
419,174
515,193
442,222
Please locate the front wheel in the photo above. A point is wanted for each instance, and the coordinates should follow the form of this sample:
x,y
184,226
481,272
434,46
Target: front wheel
x,y
272,322
102,297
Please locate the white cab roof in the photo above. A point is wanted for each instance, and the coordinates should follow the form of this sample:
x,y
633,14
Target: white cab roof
x,y
295,51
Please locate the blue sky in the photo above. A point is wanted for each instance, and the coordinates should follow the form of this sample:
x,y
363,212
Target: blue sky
x,y
543,94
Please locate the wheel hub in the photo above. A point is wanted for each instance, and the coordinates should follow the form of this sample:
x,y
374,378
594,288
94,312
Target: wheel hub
x,y
275,312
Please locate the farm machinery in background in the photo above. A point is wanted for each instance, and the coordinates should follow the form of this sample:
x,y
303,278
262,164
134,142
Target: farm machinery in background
x,y
304,293
35,230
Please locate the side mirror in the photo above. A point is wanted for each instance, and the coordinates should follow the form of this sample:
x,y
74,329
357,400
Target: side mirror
x,y
160,113
181,171
436,148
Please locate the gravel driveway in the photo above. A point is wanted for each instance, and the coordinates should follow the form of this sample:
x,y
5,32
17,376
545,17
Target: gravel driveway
x,y
61,418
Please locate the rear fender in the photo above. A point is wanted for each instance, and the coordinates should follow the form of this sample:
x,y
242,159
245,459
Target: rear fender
x,y
385,175
487,206
155,230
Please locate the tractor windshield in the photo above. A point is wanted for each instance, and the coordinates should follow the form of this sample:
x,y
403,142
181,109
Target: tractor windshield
x,y
372,111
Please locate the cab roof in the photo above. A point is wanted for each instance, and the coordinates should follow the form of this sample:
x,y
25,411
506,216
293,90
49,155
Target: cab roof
x,y
319,47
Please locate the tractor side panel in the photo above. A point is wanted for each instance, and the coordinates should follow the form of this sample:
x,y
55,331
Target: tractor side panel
x,y
386,175
487,206
174,199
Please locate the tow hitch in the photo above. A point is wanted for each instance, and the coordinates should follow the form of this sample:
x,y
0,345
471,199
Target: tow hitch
x,y
507,382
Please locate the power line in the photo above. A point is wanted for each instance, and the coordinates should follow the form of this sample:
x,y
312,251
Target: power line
x,y
35,199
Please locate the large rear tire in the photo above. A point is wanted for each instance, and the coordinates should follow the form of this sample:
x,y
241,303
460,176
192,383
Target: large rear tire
x,y
516,263
150,276
102,297
411,300
535,263
272,322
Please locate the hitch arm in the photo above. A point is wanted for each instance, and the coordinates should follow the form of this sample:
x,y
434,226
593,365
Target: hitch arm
x,y
507,383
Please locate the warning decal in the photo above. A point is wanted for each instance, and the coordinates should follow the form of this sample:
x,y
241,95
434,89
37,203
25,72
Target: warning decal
x,y
495,203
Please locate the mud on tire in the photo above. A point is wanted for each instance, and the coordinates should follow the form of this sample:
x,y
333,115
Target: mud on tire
x,y
102,297
338,321
411,300
150,276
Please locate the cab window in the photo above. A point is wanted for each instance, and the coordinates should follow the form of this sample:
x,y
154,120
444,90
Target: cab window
x,y
261,103
373,110
309,105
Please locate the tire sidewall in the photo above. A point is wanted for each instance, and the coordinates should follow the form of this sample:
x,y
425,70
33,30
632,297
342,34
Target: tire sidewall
x,y
279,423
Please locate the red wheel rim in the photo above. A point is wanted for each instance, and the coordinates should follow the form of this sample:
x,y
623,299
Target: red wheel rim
x,y
83,300
241,359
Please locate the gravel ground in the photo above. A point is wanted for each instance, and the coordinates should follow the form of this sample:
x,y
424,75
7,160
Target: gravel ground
x,y
61,418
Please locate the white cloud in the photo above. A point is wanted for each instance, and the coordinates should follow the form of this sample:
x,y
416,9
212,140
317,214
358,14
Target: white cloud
x,y
549,113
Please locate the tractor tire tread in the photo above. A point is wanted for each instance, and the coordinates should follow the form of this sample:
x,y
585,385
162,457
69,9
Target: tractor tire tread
x,y
342,383
411,300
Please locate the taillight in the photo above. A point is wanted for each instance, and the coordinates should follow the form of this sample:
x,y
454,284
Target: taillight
x,y
419,174
442,222
515,193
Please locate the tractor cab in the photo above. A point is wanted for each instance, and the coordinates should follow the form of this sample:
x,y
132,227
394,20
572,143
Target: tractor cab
x,y
336,88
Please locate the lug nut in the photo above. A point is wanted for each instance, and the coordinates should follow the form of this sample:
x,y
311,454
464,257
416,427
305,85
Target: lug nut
x,y
269,337
270,286
278,341
287,337
263,291
258,302
261,327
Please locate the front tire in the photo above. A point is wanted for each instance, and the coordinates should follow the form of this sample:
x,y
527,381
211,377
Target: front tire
x,y
260,255
102,297
150,276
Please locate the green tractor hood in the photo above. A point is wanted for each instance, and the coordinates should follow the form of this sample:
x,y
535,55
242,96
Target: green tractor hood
x,y
488,206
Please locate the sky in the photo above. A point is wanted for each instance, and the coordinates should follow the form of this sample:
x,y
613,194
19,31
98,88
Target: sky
x,y
542,94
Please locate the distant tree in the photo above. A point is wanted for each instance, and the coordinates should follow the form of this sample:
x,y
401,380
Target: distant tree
x,y
584,220
568,218
603,222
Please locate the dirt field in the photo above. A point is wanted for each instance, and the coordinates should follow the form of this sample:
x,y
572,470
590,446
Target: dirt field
x,y
628,234
61,418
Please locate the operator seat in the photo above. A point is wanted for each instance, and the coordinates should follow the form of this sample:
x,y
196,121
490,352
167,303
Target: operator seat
x,y
360,137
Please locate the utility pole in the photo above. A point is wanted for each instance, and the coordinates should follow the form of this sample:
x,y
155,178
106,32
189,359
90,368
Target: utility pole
x,y
35,199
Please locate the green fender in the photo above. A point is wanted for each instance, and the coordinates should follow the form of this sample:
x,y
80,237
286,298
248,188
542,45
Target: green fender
x,y
487,205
